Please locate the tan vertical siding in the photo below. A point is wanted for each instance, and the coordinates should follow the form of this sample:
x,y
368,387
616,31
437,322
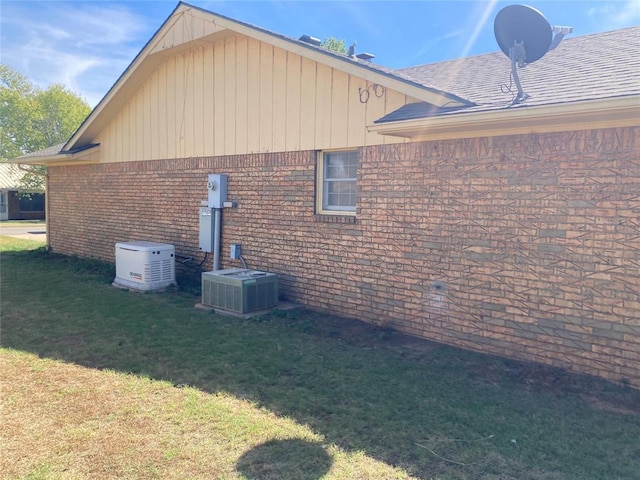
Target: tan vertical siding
x,y
148,93
308,93
160,136
138,114
172,128
198,104
178,101
292,125
239,95
241,110
375,108
323,105
218,100
124,133
266,97
154,121
355,133
207,101
339,98
230,96
135,123
280,93
253,96
188,109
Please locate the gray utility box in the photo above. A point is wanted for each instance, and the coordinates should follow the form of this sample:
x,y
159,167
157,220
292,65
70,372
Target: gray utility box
x,y
206,230
239,290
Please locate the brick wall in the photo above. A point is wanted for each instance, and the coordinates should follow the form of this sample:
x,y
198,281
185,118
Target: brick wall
x,y
522,246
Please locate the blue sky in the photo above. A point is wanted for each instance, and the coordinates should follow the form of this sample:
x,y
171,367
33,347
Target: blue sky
x,y
86,45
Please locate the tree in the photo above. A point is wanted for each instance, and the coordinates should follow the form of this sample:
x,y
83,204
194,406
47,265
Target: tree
x,y
334,44
16,110
32,119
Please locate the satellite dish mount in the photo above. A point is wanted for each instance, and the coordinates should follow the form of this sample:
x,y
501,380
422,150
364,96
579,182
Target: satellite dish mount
x,y
524,35
518,55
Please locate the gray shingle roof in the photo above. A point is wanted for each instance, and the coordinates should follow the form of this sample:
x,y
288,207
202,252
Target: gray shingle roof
x,y
55,150
590,67
45,152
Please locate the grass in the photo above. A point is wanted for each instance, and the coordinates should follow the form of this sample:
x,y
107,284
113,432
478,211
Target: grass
x,y
17,223
102,383
12,244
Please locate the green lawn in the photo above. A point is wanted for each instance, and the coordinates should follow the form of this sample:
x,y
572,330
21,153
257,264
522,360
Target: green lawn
x,y
17,223
99,382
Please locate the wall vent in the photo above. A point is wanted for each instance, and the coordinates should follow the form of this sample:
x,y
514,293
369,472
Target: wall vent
x,y
239,290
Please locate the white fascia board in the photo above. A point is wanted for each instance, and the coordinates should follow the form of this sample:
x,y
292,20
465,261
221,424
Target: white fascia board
x,y
60,158
612,112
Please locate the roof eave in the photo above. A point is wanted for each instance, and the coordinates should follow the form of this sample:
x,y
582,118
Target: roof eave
x,y
82,157
588,114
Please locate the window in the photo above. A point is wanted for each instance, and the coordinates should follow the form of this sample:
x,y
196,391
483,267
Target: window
x,y
31,202
337,176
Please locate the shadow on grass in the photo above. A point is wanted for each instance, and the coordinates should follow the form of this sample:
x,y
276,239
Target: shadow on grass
x,y
430,409
277,459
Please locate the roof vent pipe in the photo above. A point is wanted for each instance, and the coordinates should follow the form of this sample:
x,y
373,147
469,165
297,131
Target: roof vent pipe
x,y
352,50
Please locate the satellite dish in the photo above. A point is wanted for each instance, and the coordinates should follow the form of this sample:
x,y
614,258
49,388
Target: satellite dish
x,y
520,24
524,35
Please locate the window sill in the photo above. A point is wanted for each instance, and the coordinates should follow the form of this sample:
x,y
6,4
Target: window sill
x,y
324,218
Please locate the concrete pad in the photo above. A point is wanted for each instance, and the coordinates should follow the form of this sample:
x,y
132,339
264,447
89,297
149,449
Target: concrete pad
x,y
282,306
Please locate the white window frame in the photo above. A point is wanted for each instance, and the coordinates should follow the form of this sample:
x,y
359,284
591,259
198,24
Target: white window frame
x,y
322,185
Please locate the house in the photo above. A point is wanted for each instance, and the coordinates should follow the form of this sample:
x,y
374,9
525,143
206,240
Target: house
x,y
422,199
16,203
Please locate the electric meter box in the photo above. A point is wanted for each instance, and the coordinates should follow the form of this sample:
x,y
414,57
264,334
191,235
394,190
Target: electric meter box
x,y
217,190
143,265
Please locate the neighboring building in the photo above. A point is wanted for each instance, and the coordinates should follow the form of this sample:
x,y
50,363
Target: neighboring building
x,y
419,199
15,202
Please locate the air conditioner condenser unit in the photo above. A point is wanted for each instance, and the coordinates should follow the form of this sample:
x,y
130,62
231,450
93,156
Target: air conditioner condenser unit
x,y
240,290
143,265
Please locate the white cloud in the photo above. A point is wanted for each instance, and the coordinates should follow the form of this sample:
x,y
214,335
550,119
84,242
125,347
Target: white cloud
x,y
431,44
83,45
613,15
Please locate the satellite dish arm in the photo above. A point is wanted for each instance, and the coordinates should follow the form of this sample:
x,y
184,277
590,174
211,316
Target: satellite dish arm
x,y
517,55
559,33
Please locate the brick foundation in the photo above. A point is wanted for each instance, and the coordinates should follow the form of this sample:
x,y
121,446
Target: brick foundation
x,y
522,246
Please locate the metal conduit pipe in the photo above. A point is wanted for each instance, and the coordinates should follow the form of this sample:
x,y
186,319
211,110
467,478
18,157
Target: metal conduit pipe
x,y
216,238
